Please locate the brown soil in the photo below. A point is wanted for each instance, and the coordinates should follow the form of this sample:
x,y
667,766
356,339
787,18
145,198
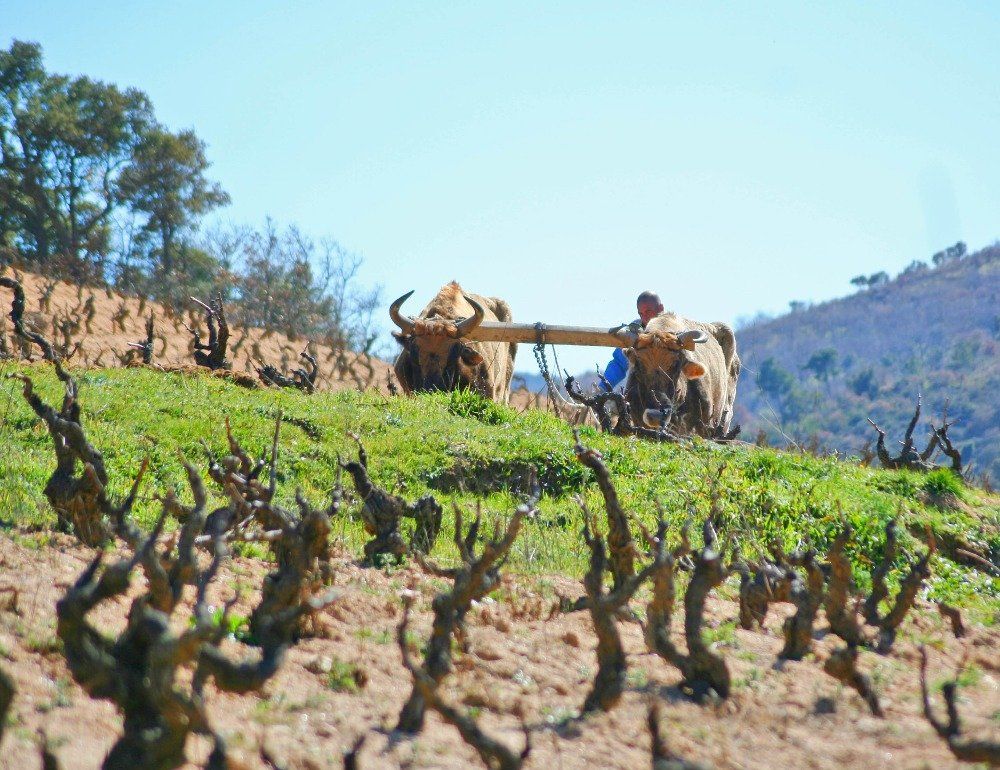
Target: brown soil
x,y
106,342
518,662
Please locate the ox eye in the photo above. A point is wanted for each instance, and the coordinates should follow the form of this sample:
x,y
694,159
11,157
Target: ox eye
x,y
470,357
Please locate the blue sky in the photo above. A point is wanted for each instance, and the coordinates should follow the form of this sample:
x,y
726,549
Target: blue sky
x,y
731,156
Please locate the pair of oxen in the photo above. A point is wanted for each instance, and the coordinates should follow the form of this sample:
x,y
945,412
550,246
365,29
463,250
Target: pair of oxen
x,y
679,367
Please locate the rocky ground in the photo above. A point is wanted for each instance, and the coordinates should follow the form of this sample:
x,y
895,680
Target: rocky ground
x,y
521,662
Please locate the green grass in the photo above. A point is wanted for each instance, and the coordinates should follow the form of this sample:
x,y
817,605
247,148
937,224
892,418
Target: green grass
x,y
942,481
235,626
458,447
344,677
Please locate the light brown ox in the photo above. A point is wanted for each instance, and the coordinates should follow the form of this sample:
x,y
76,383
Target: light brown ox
x,y
686,371
435,358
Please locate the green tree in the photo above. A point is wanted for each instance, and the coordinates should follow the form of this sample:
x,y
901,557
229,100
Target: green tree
x,y
965,353
950,254
166,182
823,364
87,174
864,383
881,278
63,144
773,380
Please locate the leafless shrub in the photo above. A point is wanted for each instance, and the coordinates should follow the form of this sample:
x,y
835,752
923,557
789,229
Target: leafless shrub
x,y
17,314
76,488
619,420
476,577
807,596
145,348
761,584
7,692
842,665
778,580
213,353
494,754
963,749
620,543
45,296
65,345
612,665
702,669
663,757
912,459
383,512
140,670
363,372
238,476
89,312
842,613
302,556
121,313
954,616
299,541
78,498
302,379
244,335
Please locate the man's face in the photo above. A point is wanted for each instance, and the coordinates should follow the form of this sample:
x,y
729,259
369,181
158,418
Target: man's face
x,y
648,311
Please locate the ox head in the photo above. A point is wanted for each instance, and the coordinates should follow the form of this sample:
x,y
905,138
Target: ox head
x,y
661,369
437,358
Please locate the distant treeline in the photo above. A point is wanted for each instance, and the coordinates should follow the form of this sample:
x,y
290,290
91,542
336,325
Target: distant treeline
x,y
93,188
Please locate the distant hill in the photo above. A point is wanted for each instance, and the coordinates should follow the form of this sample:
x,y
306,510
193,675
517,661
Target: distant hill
x,y
815,374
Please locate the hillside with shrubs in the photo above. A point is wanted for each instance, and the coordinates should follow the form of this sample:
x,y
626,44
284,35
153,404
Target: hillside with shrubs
x,y
814,376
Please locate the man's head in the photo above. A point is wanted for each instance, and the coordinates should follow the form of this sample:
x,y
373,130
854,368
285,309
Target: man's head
x,y
649,306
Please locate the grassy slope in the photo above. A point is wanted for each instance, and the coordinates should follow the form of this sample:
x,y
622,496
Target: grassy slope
x,y
437,443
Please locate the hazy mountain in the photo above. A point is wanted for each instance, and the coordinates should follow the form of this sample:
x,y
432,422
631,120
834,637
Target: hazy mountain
x,y
818,372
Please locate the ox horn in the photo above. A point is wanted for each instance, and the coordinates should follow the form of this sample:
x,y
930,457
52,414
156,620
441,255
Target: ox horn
x,y
467,325
691,338
404,322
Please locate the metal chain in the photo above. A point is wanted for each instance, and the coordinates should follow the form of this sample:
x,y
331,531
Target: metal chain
x,y
540,359
555,396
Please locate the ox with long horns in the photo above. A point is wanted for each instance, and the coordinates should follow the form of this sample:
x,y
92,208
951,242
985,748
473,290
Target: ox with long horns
x,y
434,355
684,373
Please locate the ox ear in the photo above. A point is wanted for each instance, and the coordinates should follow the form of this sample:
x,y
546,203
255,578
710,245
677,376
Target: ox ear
x,y
471,357
693,370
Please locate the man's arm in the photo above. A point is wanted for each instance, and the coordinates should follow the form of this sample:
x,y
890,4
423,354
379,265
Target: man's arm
x,y
616,369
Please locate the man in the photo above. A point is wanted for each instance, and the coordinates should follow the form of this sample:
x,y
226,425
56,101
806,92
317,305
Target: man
x,y
649,306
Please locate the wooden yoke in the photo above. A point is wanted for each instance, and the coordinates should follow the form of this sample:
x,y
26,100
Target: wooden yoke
x,y
496,331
